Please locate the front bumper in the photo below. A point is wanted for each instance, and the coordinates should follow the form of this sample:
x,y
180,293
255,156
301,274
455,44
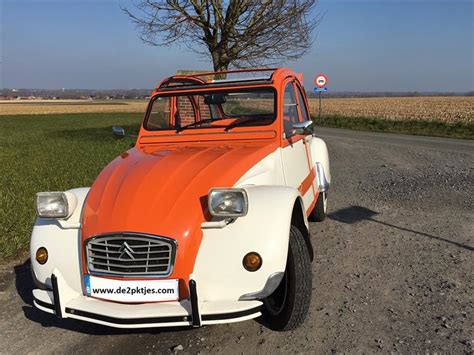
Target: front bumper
x,y
66,303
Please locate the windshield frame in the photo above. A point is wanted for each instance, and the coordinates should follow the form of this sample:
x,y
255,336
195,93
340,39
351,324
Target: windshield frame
x,y
229,89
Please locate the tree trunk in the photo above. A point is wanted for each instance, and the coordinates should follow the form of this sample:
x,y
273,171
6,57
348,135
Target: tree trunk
x,y
220,65
218,68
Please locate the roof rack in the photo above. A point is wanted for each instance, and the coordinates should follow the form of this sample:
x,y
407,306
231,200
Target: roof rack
x,y
235,71
198,80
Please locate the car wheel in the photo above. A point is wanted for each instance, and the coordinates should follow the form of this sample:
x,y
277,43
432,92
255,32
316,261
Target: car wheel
x,y
286,308
319,212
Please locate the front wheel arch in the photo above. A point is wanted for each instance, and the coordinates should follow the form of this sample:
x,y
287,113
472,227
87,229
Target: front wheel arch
x,y
299,220
287,307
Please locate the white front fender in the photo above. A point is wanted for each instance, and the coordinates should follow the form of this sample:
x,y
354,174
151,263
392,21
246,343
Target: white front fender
x,y
265,229
62,240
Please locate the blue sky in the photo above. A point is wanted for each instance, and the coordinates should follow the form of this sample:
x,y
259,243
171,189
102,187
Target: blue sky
x,y
362,45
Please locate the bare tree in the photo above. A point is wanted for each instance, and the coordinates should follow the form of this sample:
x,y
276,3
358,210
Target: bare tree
x,y
236,33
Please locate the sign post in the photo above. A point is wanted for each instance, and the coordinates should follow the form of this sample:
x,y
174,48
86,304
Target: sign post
x,y
320,81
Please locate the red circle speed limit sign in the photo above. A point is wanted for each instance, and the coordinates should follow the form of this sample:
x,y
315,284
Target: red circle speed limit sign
x,y
321,80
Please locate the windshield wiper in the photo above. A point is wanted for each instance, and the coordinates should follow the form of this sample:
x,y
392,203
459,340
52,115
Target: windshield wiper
x,y
207,120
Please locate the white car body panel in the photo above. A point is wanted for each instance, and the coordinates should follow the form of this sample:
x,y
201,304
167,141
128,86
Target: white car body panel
x,y
219,260
295,163
268,171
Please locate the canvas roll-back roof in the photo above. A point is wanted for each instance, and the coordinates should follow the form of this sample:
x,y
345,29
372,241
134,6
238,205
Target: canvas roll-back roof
x,y
218,79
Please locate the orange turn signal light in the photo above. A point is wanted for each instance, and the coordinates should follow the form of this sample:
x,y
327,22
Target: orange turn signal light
x,y
252,261
42,255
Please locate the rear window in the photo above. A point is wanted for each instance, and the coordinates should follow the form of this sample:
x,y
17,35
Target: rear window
x,y
244,104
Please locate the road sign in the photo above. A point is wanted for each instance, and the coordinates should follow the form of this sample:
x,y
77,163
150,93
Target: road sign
x,y
321,80
316,90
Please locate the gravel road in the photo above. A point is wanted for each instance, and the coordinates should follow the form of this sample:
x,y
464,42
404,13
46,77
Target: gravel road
x,y
391,269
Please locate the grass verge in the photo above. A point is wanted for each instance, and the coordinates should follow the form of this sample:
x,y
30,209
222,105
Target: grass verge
x,y
50,153
415,127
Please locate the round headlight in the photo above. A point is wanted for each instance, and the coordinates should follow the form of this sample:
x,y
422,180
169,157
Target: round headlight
x,y
252,261
42,255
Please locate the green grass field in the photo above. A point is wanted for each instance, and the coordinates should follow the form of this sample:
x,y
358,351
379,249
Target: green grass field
x,y
50,153
62,151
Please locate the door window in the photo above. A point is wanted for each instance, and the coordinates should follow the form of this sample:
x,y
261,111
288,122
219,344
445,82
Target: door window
x,y
290,109
303,108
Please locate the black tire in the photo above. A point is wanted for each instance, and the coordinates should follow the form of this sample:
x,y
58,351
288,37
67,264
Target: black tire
x,y
319,212
287,307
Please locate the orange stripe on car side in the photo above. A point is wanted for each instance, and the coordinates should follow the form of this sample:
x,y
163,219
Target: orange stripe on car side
x,y
307,182
308,157
310,208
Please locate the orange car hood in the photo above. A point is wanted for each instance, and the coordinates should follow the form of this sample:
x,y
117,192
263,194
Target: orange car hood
x,y
162,190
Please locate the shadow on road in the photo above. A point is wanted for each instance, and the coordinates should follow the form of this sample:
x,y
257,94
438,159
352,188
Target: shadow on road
x,y
355,214
24,282
25,285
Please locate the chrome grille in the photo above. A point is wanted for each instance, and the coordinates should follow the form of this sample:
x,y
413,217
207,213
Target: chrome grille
x,y
130,254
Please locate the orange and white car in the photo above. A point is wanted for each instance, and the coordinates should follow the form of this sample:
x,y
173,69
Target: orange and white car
x,y
203,221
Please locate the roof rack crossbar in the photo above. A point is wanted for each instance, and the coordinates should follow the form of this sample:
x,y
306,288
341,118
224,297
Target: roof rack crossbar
x,y
239,79
226,72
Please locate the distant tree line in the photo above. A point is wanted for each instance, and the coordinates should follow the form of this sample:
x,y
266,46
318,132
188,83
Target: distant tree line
x,y
86,94
135,94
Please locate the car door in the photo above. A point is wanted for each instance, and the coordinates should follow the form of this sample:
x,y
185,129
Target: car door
x,y
306,116
295,156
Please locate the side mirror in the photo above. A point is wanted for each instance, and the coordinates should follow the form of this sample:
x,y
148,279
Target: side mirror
x,y
305,128
118,132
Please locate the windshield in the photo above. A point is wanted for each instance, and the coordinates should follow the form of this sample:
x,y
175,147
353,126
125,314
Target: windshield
x,y
220,109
